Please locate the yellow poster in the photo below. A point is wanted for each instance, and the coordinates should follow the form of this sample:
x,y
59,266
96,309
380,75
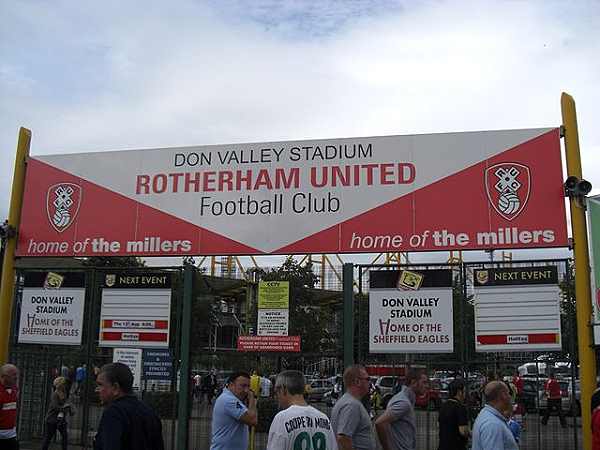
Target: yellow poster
x,y
273,294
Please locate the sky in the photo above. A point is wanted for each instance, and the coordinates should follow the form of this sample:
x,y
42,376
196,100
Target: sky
x,y
93,76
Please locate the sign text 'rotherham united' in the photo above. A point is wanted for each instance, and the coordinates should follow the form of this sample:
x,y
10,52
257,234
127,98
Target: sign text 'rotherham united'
x,y
476,190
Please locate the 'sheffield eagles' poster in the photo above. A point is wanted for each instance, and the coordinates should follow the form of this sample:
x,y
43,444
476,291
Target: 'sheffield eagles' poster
x,y
52,307
411,312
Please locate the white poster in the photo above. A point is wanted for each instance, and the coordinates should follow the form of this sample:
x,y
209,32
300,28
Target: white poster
x,y
517,309
273,322
52,315
136,310
407,321
131,357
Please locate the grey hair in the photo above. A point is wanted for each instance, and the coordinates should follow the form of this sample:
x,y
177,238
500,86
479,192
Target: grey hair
x,y
7,369
292,381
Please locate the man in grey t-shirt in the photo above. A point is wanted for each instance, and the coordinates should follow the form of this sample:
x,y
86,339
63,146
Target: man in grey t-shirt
x,y
349,418
397,426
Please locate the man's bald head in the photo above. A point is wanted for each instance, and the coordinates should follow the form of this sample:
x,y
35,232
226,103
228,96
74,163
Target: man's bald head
x,y
9,374
497,394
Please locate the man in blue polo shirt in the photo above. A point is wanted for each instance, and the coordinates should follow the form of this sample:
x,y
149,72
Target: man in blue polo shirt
x,y
491,431
234,411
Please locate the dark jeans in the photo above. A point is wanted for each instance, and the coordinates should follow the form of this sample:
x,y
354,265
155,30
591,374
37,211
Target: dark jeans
x,y
9,444
554,404
208,395
51,429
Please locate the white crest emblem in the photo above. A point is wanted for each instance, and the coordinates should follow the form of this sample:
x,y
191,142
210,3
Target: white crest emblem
x,y
110,280
508,186
62,205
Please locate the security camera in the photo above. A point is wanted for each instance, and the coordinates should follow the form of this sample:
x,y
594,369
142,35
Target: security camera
x,y
574,187
585,187
7,231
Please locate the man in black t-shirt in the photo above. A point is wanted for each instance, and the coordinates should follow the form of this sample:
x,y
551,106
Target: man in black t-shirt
x,y
453,419
126,423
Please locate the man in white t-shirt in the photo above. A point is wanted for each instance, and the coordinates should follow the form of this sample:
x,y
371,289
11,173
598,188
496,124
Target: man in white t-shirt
x,y
298,425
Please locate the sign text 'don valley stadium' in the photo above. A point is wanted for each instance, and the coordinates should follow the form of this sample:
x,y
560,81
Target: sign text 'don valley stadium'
x,y
474,190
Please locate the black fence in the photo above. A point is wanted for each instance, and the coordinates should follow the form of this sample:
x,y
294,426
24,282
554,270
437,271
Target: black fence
x,y
222,309
476,368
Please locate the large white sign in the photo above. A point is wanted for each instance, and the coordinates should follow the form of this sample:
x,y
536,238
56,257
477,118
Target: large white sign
x,y
273,322
51,316
136,310
474,190
407,321
517,309
131,357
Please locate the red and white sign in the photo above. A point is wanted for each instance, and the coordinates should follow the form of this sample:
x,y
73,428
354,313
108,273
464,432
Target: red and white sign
x,y
268,343
135,317
465,191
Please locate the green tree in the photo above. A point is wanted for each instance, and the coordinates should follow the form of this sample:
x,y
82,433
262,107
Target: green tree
x,y
114,261
309,318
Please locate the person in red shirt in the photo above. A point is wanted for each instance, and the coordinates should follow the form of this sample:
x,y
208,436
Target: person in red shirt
x,y
520,386
554,396
596,429
9,392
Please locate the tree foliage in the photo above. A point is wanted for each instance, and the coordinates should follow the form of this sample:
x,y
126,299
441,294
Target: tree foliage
x,y
309,319
114,261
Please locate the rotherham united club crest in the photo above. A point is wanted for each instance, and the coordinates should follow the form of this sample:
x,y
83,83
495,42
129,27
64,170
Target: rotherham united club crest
x,y
508,185
62,205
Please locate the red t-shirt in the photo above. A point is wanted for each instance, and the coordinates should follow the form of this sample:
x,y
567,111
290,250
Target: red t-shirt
x,y
552,388
596,429
8,407
519,384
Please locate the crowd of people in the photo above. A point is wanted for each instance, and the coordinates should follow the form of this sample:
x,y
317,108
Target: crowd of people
x,y
128,423
300,425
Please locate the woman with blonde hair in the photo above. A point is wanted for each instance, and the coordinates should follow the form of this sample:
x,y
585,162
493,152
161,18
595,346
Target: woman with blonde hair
x,y
56,417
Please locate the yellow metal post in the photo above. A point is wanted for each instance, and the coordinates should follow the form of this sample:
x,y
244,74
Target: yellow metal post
x,y
8,265
587,357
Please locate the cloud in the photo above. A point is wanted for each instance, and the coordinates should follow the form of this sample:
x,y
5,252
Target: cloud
x,y
115,75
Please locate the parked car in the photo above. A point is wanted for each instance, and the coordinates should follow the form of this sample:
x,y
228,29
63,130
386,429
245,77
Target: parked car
x,y
443,375
444,391
318,388
388,386
575,404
